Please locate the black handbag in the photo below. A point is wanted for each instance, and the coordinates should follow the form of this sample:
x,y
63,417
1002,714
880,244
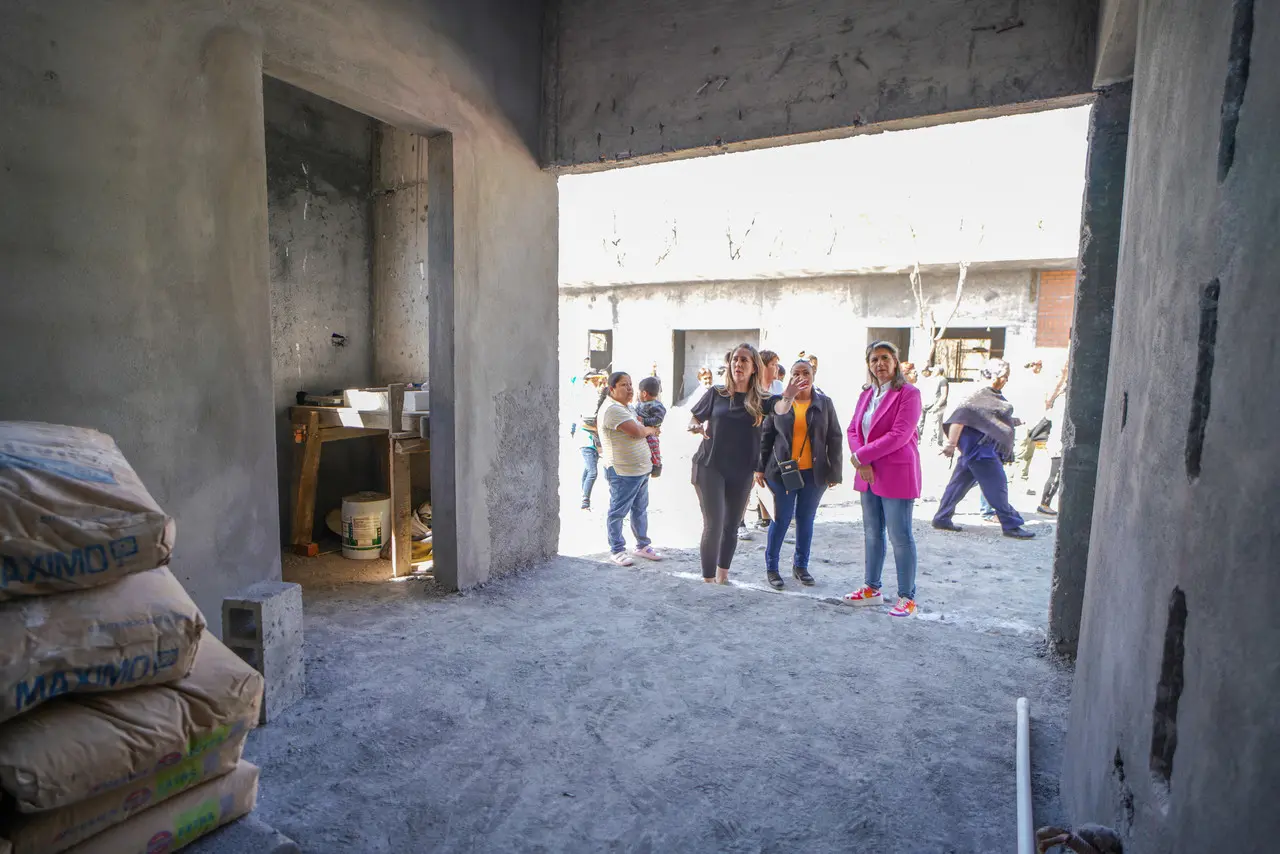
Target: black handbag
x,y
789,470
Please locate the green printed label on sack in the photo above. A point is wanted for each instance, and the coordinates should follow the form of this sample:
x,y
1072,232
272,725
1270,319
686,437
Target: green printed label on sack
x,y
182,776
214,738
196,822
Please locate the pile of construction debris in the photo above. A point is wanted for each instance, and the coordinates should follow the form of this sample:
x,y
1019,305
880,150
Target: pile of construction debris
x,y
122,722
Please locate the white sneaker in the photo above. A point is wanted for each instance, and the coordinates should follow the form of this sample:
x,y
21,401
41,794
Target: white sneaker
x,y
647,553
620,558
744,534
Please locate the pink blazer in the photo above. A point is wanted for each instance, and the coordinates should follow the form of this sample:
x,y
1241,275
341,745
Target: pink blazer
x,y
891,447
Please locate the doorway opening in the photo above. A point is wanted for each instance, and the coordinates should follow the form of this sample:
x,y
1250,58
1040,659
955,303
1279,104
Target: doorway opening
x,y
347,239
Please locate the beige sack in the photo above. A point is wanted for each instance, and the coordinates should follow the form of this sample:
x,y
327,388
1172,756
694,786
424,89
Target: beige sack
x,y
182,819
73,514
142,630
85,745
57,830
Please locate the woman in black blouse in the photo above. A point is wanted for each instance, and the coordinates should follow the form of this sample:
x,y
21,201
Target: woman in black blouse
x,y
729,419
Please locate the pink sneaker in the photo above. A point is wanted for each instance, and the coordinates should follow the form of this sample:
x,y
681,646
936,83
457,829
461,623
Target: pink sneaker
x,y
905,608
866,595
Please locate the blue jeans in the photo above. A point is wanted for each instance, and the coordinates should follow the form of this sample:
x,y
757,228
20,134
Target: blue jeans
x,y
989,475
802,504
627,495
894,514
590,470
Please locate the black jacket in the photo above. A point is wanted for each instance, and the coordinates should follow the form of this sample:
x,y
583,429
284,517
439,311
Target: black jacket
x,y
826,439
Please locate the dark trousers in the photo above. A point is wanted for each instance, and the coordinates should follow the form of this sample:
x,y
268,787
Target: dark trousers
x,y
723,501
988,474
1051,485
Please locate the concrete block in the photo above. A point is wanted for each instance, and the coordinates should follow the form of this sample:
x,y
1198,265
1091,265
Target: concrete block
x,y
263,625
249,835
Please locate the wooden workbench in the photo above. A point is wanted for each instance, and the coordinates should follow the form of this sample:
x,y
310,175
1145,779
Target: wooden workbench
x,y
316,426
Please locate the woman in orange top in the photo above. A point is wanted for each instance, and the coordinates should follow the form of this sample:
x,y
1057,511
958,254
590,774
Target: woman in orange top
x,y
801,426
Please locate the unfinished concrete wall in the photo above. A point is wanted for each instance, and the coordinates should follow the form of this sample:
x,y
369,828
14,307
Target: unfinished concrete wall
x,y
136,280
401,296
827,315
634,80
1090,364
1172,730
319,180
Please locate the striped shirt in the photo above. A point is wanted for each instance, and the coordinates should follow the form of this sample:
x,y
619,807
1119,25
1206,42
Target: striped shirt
x,y
628,456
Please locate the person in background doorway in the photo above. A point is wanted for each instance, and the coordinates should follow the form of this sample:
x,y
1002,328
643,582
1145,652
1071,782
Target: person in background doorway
x,y
588,439
627,468
729,417
801,426
981,429
652,413
886,454
1057,403
1039,430
933,387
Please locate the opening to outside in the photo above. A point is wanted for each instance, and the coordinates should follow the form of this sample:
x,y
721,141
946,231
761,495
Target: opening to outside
x,y
956,243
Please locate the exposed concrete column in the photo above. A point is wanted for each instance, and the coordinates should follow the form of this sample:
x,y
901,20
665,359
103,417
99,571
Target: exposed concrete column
x,y
400,304
1090,357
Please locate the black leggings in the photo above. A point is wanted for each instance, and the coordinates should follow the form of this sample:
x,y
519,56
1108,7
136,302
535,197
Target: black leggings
x,y
723,501
1051,485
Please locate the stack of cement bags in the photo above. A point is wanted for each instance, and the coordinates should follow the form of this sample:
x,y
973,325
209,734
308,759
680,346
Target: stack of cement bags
x,y
121,722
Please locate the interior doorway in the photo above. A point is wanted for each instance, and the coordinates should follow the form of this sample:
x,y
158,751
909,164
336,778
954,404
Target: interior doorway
x,y
963,351
706,348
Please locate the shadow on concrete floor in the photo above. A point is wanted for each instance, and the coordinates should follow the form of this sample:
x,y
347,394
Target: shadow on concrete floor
x,y
585,707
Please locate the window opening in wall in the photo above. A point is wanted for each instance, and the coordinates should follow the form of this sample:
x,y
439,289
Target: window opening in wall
x,y
600,349
962,352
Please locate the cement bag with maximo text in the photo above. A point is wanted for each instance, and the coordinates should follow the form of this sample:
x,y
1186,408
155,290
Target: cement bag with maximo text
x,y
183,818
55,831
73,514
142,630
88,744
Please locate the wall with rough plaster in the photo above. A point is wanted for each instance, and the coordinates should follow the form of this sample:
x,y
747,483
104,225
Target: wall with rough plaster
x,y
633,80
319,180
136,278
1173,736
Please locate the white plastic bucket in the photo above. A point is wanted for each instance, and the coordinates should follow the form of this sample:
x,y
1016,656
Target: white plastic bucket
x,y
366,524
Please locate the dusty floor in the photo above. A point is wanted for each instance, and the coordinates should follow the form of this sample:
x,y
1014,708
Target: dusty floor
x,y
585,707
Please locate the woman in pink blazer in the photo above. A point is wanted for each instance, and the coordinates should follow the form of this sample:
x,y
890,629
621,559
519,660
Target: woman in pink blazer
x,y
886,454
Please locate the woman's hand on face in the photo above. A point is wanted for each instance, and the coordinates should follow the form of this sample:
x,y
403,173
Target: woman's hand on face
x,y
760,478
866,473
795,387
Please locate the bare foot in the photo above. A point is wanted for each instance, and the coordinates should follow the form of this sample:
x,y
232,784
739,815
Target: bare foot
x,y
709,580
722,576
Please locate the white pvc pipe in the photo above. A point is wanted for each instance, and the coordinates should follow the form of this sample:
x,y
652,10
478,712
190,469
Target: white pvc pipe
x,y
1026,824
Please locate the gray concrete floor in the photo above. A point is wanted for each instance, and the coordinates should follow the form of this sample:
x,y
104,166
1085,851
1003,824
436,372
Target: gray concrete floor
x,y
580,706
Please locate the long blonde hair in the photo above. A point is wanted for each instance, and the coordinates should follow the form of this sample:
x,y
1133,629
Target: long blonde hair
x,y
756,395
